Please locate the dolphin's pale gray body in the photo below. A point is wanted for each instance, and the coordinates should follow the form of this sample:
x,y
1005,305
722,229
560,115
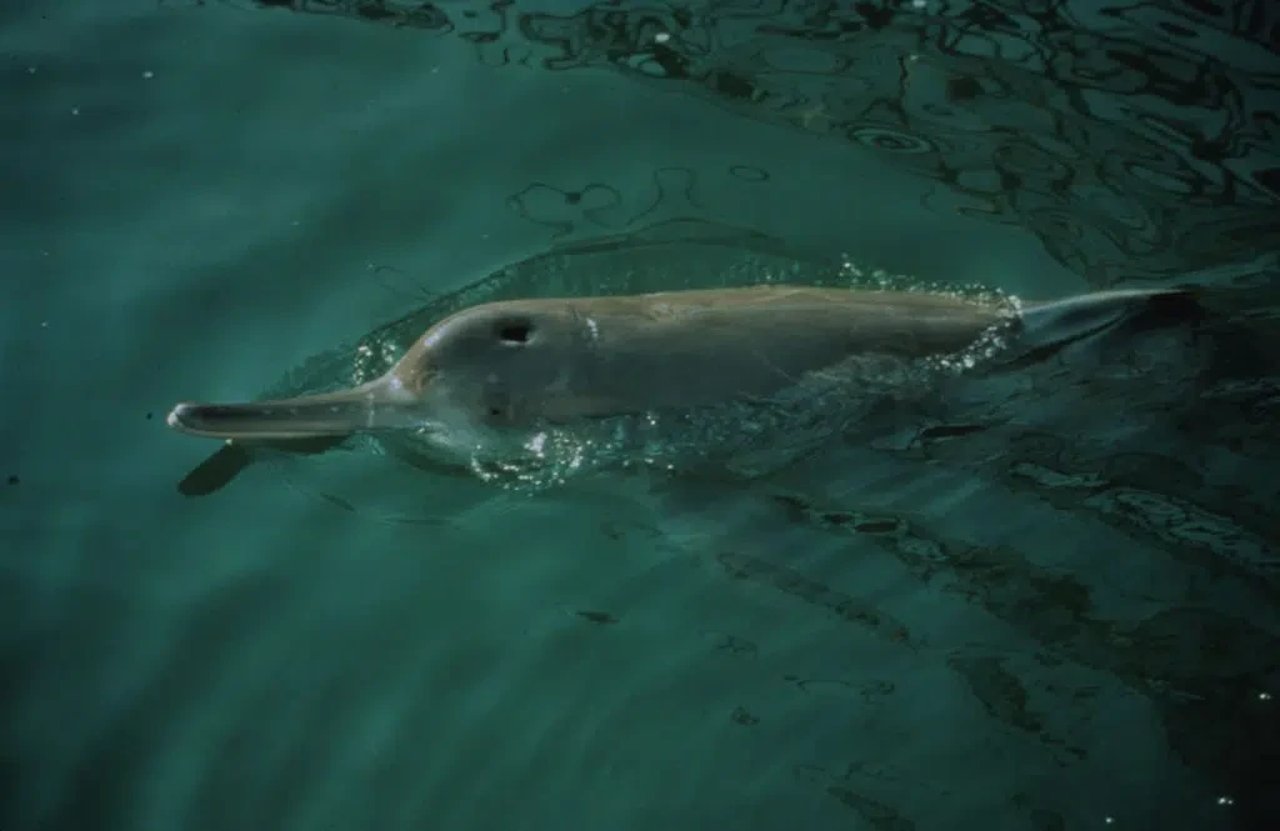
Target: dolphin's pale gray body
x,y
522,362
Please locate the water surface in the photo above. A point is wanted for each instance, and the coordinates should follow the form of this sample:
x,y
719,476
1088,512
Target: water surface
x,y
1050,604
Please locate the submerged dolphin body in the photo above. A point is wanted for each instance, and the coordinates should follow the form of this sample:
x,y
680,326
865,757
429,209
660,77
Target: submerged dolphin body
x,y
524,362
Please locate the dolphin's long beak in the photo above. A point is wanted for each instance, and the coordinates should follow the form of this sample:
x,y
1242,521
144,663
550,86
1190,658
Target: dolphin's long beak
x,y
370,406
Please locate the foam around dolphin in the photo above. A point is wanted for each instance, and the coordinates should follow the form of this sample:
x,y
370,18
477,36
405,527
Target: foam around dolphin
x,y
523,362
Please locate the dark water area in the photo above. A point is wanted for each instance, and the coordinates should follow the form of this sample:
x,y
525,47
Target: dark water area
x,y
1041,598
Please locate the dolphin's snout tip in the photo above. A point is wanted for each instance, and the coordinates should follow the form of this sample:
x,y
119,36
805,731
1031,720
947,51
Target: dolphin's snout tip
x,y
174,419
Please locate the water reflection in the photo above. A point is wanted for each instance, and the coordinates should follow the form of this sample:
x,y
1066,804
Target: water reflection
x,y
1137,142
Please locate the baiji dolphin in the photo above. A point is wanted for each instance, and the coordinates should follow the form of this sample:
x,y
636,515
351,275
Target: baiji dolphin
x,y
519,363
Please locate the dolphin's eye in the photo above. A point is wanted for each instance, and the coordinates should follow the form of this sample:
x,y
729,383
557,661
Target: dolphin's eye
x,y
515,331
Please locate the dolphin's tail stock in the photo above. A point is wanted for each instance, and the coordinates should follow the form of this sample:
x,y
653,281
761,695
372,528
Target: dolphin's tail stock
x,y
1046,328
1236,330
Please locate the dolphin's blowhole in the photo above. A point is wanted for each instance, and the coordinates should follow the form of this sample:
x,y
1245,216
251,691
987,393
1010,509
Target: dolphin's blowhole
x,y
515,332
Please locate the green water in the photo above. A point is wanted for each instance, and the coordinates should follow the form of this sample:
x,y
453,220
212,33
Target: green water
x,y
1046,602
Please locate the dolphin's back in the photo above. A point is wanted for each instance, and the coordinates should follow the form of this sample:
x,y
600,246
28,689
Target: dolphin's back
x,y
695,348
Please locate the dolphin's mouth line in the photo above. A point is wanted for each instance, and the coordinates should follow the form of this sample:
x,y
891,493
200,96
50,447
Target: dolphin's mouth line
x,y
372,406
